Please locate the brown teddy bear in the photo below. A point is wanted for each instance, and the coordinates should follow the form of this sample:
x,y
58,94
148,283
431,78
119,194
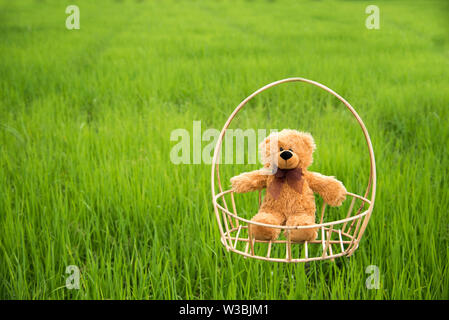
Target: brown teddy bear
x,y
289,199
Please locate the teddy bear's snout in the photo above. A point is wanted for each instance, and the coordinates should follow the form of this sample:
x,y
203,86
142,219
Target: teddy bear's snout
x,y
286,154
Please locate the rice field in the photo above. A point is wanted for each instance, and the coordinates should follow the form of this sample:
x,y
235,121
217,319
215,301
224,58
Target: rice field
x,y
86,118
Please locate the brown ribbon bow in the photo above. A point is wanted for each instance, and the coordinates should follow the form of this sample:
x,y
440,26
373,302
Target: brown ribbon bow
x,y
293,178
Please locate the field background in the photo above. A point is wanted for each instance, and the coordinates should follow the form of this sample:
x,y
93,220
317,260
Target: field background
x,y
85,123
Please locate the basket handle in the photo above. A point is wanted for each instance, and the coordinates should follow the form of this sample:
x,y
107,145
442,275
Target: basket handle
x,y
372,176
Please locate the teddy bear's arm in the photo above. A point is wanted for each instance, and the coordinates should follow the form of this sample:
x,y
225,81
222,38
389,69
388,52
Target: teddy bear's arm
x,y
330,189
249,181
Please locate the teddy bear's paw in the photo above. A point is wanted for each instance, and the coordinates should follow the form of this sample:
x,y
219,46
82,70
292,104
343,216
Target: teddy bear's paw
x,y
303,234
336,194
337,200
265,233
241,184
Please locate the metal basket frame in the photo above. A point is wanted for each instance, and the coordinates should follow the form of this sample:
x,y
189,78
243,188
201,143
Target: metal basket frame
x,y
347,237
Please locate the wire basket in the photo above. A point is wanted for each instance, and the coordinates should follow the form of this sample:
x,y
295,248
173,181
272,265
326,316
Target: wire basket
x,y
335,238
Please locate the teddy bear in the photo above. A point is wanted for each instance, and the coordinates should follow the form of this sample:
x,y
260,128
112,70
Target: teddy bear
x,y
289,199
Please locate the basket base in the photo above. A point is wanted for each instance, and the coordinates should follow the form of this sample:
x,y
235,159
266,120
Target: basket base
x,y
330,244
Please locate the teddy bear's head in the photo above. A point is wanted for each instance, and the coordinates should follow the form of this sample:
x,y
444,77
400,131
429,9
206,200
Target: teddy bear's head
x,y
288,149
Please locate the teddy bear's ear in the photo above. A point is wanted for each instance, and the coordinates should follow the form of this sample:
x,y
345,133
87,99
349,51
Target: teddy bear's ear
x,y
264,149
308,141
268,146
266,143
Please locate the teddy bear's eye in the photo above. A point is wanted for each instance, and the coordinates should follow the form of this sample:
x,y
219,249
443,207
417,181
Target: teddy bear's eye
x,y
290,150
281,149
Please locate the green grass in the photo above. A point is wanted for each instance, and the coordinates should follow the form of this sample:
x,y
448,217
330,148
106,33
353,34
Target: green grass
x,y
85,123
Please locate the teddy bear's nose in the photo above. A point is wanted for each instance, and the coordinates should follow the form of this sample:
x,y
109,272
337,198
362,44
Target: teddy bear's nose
x,y
286,155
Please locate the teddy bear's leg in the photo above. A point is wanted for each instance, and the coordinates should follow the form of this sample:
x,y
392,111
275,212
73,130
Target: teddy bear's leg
x,y
266,233
302,234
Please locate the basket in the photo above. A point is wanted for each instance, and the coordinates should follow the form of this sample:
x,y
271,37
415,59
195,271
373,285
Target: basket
x,y
335,238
